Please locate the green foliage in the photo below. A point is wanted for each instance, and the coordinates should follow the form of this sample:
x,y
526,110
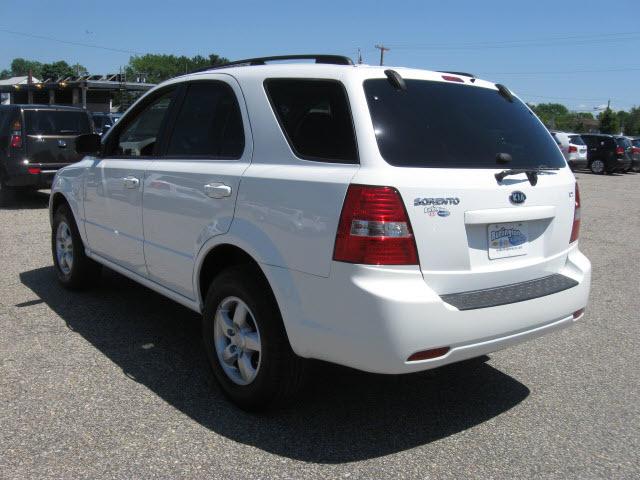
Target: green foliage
x,y
632,126
558,117
609,122
61,69
156,68
42,71
20,67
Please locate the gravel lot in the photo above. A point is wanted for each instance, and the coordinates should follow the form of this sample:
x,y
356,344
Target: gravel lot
x,y
113,383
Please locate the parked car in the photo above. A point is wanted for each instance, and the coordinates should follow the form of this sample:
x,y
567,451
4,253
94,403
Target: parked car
x,y
445,229
573,149
604,154
635,153
35,142
103,121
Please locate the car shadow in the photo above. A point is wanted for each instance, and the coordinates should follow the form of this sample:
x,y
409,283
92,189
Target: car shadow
x,y
342,415
28,200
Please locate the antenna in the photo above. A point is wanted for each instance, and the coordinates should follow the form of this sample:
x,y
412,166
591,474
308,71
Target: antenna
x,y
382,49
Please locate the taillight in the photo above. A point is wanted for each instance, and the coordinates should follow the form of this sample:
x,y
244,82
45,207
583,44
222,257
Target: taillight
x,y
635,149
16,141
573,149
374,228
575,229
620,151
34,170
451,78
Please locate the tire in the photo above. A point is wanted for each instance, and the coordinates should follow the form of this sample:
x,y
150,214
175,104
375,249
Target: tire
x,y
74,269
597,166
272,372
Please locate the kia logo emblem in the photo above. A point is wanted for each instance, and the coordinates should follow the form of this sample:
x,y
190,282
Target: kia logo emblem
x,y
517,197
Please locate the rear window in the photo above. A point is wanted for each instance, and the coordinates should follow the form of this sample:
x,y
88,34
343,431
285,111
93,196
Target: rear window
x,y
447,125
315,117
52,122
576,140
636,142
623,142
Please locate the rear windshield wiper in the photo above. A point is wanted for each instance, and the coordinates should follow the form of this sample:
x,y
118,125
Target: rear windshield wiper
x,y
532,173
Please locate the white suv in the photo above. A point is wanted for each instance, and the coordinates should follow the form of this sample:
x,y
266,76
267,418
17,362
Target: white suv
x,y
573,148
390,220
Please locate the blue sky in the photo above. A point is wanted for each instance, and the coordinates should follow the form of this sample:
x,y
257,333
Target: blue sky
x,y
543,50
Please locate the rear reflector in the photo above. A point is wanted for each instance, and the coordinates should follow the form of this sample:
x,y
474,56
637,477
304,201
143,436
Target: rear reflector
x,y
578,313
451,78
427,354
575,229
34,170
374,228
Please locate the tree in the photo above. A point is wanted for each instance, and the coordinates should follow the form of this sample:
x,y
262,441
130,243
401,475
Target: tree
x,y
155,68
624,120
553,115
608,122
633,127
20,67
60,69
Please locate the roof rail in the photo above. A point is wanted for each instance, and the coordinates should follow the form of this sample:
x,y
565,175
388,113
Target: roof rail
x,y
464,74
328,59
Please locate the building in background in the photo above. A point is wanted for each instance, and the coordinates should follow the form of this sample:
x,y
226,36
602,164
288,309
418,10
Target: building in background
x,y
96,93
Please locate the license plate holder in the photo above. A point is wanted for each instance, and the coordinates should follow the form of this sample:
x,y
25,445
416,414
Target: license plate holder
x,y
507,240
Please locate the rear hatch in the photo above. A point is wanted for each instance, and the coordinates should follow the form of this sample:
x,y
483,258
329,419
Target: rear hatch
x,y
445,141
580,147
50,135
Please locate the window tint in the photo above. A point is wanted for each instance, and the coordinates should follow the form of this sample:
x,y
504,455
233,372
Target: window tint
x,y
138,137
52,122
209,123
315,117
447,125
623,142
576,139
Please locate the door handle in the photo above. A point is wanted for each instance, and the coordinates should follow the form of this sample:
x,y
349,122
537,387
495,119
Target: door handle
x,y
217,190
131,182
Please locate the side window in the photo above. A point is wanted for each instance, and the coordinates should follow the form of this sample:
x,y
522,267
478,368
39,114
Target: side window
x,y
138,137
209,123
315,118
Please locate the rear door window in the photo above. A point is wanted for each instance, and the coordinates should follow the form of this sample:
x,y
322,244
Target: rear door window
x,y
56,122
209,123
448,125
315,118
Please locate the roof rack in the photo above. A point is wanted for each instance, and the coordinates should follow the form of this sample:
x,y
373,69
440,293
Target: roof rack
x,y
328,59
464,74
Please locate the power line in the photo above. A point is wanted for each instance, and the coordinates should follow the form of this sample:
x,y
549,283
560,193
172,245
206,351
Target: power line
x,y
538,42
564,72
68,42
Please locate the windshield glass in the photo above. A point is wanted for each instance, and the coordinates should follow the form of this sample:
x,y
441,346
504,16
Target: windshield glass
x,y
623,142
448,125
52,122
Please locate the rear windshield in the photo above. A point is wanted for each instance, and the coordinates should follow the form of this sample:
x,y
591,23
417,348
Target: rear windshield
x,y
52,122
636,142
447,125
623,142
576,140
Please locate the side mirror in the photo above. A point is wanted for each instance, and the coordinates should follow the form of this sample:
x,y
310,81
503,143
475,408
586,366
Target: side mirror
x,y
88,144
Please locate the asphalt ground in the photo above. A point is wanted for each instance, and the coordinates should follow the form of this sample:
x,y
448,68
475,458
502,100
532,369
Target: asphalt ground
x,y
113,383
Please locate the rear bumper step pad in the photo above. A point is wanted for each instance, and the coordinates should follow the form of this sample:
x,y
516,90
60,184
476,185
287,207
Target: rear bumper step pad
x,y
517,292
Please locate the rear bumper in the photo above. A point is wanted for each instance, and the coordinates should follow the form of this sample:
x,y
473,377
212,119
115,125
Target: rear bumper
x,y
19,175
374,319
578,163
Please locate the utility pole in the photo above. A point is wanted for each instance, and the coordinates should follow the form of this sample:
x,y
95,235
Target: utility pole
x,y
382,49
359,57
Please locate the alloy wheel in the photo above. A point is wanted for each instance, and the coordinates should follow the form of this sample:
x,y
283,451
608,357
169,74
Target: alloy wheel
x,y
237,341
64,248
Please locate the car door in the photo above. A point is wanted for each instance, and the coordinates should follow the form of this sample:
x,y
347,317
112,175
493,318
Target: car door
x,y
190,191
114,183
